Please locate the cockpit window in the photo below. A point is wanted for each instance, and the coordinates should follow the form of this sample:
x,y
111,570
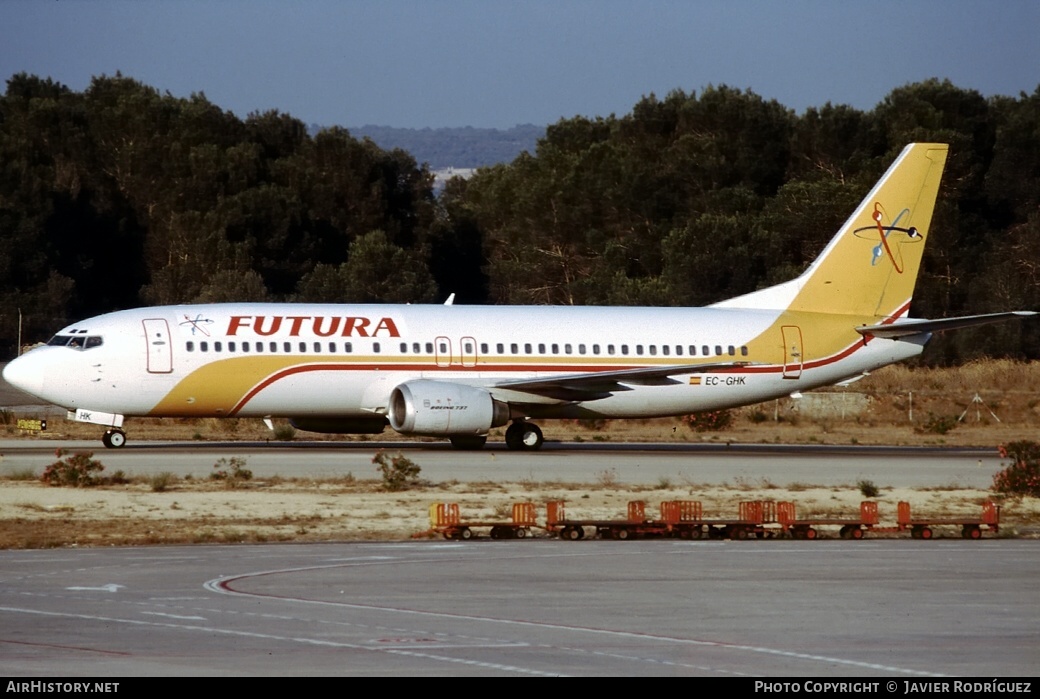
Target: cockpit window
x,y
80,342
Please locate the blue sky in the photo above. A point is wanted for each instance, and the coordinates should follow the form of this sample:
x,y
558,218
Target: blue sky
x,y
417,63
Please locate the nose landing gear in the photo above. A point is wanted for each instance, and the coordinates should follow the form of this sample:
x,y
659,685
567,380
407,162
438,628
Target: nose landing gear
x,y
114,439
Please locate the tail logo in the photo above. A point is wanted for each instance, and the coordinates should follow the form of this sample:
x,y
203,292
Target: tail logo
x,y
890,237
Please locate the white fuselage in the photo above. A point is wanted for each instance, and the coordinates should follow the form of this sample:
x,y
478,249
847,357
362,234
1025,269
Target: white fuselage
x,y
344,361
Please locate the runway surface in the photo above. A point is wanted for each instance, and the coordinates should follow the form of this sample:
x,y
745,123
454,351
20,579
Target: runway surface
x,y
891,608
580,463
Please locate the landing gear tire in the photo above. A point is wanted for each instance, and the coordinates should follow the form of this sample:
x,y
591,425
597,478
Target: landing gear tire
x,y
525,436
114,439
468,442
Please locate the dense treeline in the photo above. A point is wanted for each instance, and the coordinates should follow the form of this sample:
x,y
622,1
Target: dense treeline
x,y
121,196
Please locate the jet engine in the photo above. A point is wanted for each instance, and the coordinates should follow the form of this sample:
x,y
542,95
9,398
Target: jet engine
x,y
440,408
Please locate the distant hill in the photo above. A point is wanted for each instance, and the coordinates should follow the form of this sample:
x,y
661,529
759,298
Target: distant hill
x,y
459,148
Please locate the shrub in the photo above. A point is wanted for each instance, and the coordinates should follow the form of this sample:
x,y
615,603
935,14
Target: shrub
x,y
708,421
161,482
867,489
284,433
1022,476
938,424
232,471
78,470
757,416
398,471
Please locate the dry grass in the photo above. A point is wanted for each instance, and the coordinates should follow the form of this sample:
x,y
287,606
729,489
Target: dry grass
x,y
33,515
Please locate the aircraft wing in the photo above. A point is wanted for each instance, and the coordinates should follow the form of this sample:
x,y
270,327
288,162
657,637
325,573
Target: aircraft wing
x,y
594,385
904,328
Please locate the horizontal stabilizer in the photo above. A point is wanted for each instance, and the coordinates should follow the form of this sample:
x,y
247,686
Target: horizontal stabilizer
x,y
905,328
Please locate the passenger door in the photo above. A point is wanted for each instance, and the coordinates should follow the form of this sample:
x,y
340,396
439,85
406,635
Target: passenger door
x,y
159,355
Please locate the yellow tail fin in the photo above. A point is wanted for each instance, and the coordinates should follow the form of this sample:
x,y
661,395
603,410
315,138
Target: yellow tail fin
x,y
870,267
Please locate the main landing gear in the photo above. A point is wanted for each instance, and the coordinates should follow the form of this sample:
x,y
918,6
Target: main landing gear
x,y
523,435
114,439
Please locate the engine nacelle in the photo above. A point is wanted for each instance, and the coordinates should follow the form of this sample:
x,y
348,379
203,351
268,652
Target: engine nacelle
x,y
440,409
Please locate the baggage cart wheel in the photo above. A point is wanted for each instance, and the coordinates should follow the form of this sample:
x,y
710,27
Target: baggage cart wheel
x,y
926,533
519,532
856,533
971,532
738,533
621,534
465,533
810,533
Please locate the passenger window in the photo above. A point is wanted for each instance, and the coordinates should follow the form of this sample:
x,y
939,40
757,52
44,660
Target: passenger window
x,y
204,347
678,350
259,347
731,350
500,348
743,351
404,348
624,349
273,346
416,348
332,347
610,349
555,348
190,346
705,351
665,349
444,348
595,349
303,347
581,349
718,350
639,349
217,347
317,347
231,347
541,348
245,346
514,348
287,347
527,348
375,346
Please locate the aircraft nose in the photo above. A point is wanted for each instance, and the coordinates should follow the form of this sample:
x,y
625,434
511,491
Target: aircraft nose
x,y
25,373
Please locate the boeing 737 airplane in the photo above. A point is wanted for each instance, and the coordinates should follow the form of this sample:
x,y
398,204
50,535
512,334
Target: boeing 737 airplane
x,y
456,371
